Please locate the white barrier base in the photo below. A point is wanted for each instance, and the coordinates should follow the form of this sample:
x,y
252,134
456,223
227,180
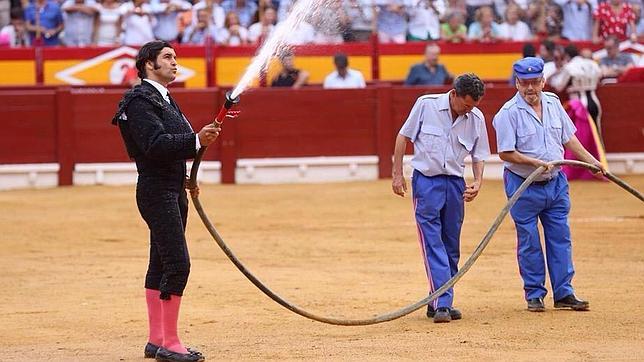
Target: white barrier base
x,y
260,171
28,175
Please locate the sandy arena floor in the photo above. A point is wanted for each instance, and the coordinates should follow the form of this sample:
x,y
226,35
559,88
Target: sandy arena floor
x,y
73,261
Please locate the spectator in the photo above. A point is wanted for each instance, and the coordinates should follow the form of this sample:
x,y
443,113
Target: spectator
x,y
137,22
214,8
44,22
245,10
423,21
284,9
639,24
198,33
232,33
304,33
5,13
107,23
166,13
447,7
454,29
615,63
16,32
472,7
536,17
614,17
513,28
484,29
362,19
392,22
263,29
577,19
289,76
553,22
79,22
330,22
343,76
430,72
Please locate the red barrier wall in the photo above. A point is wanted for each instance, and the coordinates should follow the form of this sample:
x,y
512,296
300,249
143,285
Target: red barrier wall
x,y
28,127
71,126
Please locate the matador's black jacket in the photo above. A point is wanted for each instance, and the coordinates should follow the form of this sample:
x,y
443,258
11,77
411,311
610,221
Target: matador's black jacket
x,y
160,140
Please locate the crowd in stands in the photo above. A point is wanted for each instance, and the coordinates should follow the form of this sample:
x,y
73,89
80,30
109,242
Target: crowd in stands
x,y
80,23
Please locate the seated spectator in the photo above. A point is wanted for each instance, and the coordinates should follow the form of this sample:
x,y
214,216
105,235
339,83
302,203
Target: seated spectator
x,y
454,29
303,34
16,32
5,12
513,28
44,22
330,22
392,21
167,13
639,24
553,22
79,22
284,9
361,15
289,76
137,22
245,10
473,6
536,17
232,33
614,17
577,20
423,21
615,63
107,23
263,29
216,11
484,29
201,31
343,76
429,72
447,7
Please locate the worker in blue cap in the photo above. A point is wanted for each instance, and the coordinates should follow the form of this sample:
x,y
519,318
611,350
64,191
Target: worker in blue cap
x,y
532,129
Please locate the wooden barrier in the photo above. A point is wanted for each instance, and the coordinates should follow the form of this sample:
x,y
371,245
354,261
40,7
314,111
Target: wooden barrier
x,y
70,126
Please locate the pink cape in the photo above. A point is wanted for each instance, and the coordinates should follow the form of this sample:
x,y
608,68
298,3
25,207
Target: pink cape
x,y
589,138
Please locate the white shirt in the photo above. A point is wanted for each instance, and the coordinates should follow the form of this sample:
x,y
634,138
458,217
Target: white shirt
x,y
423,21
303,34
218,13
255,32
353,79
517,32
137,29
164,93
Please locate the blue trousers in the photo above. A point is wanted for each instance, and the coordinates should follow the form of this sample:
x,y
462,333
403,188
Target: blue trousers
x,y
439,210
550,203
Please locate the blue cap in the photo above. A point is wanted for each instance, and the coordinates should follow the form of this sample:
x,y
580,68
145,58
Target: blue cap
x,y
528,68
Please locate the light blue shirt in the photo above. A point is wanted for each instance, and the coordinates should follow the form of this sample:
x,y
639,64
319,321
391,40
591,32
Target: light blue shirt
x,y
166,25
577,20
519,129
440,144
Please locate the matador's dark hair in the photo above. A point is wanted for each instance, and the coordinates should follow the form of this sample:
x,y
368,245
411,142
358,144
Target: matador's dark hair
x,y
149,52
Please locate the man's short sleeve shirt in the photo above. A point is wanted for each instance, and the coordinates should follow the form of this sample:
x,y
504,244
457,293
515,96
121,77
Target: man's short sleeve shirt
x,y
441,144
